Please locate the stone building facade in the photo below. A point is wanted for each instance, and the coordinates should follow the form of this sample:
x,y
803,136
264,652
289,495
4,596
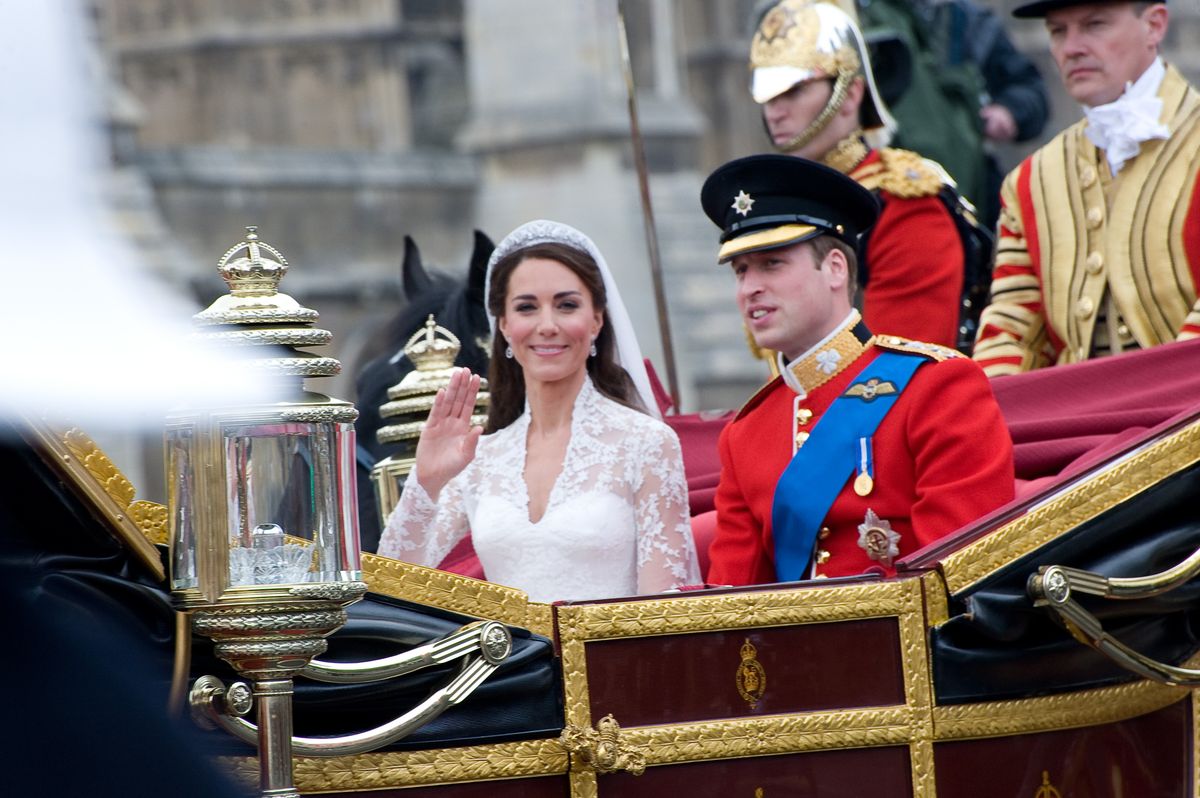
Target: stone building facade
x,y
340,126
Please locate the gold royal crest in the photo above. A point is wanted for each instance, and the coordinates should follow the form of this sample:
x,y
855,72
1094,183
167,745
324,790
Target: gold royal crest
x,y
751,679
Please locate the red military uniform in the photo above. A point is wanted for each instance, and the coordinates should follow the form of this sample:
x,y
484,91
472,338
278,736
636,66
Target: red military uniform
x,y
914,256
943,457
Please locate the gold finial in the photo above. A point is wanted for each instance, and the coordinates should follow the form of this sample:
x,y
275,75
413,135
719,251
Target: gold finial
x,y
255,274
256,314
432,348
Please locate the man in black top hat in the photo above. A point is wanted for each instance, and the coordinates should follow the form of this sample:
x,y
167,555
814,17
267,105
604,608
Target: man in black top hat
x,y
1099,238
866,448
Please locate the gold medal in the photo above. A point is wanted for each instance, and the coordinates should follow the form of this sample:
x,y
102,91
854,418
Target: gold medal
x,y
863,484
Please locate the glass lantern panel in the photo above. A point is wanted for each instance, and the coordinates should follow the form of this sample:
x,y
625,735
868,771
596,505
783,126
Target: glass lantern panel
x,y
181,490
349,555
287,516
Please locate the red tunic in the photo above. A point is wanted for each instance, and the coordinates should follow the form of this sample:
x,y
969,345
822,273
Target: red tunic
x,y
914,253
943,457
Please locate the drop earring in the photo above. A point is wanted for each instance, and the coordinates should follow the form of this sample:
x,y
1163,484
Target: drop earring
x,y
508,351
592,351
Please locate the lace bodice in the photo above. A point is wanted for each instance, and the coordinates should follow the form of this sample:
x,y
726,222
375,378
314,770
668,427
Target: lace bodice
x,y
616,523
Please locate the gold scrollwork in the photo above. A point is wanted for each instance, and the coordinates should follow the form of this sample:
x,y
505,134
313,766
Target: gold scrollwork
x,y
1046,713
602,748
151,518
391,769
456,593
79,460
1072,507
1047,790
751,678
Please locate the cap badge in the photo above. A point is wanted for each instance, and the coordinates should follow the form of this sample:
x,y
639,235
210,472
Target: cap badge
x,y
777,23
742,203
877,538
827,360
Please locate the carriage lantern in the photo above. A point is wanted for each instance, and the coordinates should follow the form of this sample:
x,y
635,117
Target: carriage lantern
x,y
262,502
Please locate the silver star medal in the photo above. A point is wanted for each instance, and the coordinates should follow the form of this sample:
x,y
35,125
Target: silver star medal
x,y
877,538
742,203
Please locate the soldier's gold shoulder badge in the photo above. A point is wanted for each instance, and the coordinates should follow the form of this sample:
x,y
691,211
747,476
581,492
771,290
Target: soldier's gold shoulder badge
x,y
907,175
932,351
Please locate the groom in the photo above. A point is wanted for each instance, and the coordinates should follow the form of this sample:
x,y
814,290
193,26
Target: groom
x,y
867,447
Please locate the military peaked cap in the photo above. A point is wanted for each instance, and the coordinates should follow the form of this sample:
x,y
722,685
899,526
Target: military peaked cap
x,y
769,201
1039,8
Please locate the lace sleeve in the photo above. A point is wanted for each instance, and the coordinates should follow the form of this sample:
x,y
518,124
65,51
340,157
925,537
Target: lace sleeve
x,y
666,555
421,531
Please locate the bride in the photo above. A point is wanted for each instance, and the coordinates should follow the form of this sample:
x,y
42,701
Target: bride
x,y
573,491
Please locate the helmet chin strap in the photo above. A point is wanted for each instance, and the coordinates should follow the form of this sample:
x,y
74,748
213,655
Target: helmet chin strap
x,y
841,87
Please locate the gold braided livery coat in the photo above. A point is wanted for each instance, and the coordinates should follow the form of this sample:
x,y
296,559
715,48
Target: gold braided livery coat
x,y
1077,244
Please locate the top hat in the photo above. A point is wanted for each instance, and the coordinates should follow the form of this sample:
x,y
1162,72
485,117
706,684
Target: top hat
x,y
1039,8
770,201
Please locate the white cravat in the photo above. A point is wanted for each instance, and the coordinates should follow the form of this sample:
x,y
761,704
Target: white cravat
x,y
1120,127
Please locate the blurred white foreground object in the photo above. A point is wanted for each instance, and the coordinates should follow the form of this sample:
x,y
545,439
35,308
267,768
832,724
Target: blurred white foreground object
x,y
94,337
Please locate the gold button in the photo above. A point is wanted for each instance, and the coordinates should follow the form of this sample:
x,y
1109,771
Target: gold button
x,y
1094,217
1084,308
1095,262
824,533
822,556
1087,176
1123,330
801,437
803,415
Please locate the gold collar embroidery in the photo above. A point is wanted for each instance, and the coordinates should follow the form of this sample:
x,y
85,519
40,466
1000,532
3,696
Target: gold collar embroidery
x,y
827,359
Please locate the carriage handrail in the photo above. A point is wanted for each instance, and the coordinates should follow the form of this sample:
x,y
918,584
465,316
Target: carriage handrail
x,y
1053,587
214,704
478,636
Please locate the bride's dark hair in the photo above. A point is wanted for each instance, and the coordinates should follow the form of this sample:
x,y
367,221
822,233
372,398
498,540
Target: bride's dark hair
x,y
506,380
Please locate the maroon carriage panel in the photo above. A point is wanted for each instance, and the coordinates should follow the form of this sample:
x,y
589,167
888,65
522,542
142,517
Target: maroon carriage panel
x,y
1148,756
691,677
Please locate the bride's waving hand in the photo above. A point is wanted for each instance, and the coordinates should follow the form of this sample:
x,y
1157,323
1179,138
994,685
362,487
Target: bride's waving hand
x,y
447,444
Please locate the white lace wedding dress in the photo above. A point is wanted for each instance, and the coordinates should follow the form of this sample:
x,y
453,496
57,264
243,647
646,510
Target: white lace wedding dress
x,y
616,523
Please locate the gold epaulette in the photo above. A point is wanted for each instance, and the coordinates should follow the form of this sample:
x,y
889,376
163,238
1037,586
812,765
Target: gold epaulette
x,y
932,351
904,174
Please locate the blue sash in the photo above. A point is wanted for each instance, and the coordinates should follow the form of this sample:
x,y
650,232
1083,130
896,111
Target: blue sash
x,y
818,471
